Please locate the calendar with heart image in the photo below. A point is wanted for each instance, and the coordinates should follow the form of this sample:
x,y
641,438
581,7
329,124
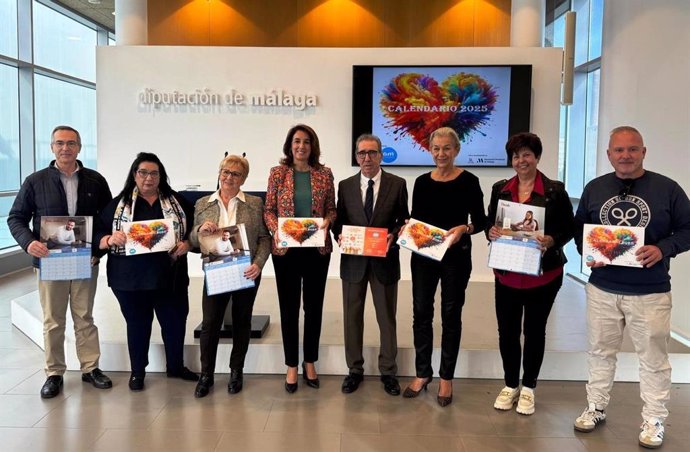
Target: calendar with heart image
x,y
151,236
424,239
613,245
301,232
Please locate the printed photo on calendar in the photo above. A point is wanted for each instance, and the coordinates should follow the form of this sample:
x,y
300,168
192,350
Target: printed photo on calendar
x,y
68,240
225,243
64,234
520,220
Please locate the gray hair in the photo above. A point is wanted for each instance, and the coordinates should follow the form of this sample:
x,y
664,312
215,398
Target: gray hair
x,y
368,137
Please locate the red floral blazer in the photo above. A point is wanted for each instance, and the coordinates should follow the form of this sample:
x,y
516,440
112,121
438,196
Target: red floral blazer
x,y
280,200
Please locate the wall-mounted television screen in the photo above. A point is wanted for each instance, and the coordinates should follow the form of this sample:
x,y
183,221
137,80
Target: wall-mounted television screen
x,y
402,105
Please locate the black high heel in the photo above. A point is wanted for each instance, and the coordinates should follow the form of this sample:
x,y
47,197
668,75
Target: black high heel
x,y
410,393
311,383
290,387
444,401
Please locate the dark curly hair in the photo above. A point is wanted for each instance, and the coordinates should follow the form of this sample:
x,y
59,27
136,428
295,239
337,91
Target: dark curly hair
x,y
523,140
314,155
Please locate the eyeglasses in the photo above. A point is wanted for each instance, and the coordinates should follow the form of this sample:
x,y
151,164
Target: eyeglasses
x,y
625,191
70,144
228,173
363,154
144,174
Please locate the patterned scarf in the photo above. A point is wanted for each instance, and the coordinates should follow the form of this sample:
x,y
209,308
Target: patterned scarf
x,y
172,210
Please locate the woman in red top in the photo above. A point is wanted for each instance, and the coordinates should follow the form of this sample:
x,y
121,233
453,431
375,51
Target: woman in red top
x,y
521,297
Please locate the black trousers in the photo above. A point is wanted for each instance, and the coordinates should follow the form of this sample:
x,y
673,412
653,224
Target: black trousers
x,y
213,308
454,276
301,270
523,311
171,308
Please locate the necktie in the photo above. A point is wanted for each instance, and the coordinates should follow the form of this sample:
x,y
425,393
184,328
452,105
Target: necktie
x,y
369,201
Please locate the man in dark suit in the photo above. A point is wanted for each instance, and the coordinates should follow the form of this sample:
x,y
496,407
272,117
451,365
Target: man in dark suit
x,y
371,198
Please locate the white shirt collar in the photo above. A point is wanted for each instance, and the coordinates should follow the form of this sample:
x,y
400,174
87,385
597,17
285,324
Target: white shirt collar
x,y
364,181
216,196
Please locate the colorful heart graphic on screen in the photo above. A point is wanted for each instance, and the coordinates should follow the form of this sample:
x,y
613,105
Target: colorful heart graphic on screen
x,y
300,230
423,236
611,244
416,105
148,235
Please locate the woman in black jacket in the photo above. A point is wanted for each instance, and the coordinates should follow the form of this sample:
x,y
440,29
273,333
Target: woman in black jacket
x,y
526,299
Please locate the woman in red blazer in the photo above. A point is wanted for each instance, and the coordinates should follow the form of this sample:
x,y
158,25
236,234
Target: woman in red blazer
x,y
300,187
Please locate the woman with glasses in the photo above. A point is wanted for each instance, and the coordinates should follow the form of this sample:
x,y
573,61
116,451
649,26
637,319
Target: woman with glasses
x,y
450,198
153,282
227,207
301,186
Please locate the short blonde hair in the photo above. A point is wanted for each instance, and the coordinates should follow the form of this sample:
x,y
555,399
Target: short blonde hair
x,y
235,160
446,132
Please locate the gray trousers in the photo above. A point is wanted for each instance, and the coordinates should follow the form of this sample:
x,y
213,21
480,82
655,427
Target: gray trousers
x,y
385,303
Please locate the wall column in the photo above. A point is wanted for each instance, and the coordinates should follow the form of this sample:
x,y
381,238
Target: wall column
x,y
131,22
527,23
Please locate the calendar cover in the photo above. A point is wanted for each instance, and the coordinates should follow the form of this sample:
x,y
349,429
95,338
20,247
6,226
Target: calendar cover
x,y
228,241
515,254
520,220
424,239
227,274
68,240
301,232
364,241
151,236
613,245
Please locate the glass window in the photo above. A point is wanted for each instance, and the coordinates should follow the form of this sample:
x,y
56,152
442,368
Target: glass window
x,y
596,25
8,30
591,125
9,129
64,45
62,103
6,239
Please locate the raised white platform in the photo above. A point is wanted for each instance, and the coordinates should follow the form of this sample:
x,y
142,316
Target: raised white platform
x,y
479,357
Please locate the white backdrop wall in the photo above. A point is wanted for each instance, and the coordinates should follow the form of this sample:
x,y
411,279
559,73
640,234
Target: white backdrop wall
x,y
644,83
191,141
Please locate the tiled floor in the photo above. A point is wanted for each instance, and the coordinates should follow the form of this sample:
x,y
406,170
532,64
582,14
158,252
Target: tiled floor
x,y
166,416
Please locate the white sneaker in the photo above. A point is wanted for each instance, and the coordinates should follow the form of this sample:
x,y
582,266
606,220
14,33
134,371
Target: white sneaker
x,y
589,419
526,402
651,434
506,398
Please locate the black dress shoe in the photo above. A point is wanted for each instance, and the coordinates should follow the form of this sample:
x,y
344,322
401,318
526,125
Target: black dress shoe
x,y
236,380
51,387
184,374
411,393
97,378
291,387
312,383
136,382
204,386
351,383
390,385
